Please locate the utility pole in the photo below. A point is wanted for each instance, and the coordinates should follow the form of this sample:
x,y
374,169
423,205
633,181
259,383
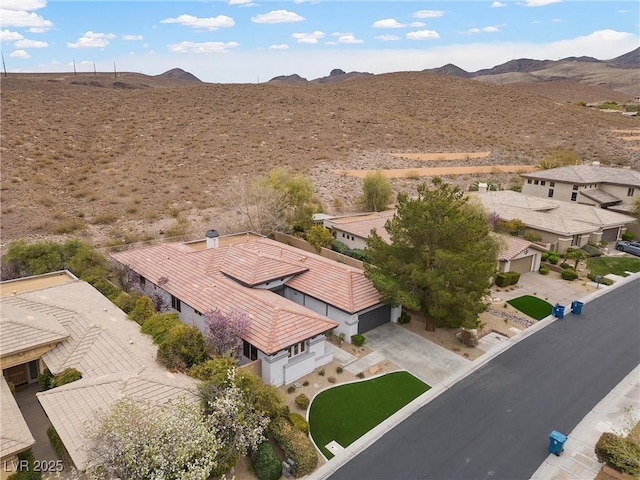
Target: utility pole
x,y
115,72
94,67
4,67
74,67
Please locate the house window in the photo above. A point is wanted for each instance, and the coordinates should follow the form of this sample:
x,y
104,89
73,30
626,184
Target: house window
x,y
343,235
297,349
529,181
249,351
198,312
552,184
574,196
575,187
535,182
143,281
543,183
575,240
550,194
630,192
176,304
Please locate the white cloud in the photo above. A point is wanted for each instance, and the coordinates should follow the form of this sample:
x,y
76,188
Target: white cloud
x,y
472,31
9,36
209,23
277,16
423,35
539,3
497,4
21,18
132,37
417,24
19,54
388,23
23,4
489,29
92,40
388,38
242,3
282,46
558,20
312,37
204,47
428,14
349,38
25,43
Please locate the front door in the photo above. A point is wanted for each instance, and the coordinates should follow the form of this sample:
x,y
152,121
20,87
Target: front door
x,y
17,375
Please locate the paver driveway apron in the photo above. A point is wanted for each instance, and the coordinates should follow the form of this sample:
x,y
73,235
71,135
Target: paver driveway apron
x,y
429,362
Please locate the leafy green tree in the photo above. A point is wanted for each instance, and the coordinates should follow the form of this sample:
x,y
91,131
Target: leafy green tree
x,y
298,191
319,236
143,310
576,254
440,259
376,191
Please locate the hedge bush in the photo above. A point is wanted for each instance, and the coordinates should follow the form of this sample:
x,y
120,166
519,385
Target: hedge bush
x,y
56,443
299,422
592,250
142,311
603,280
565,265
30,473
68,375
543,270
339,247
621,453
295,444
159,324
357,339
127,301
504,279
628,236
404,318
182,347
553,259
46,379
302,401
568,274
266,463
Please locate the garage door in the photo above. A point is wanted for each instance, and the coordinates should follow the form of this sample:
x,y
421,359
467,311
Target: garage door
x,y
610,234
374,318
521,265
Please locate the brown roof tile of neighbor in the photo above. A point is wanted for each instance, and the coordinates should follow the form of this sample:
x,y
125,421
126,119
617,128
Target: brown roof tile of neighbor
x,y
198,279
361,225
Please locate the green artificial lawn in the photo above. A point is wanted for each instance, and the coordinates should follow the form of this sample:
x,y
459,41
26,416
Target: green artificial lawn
x,y
532,306
615,265
346,412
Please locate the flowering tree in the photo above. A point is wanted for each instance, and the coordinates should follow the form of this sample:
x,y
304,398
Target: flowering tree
x,y
224,332
139,441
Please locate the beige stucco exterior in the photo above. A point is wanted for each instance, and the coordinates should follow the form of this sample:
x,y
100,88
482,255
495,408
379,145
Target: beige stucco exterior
x,y
563,191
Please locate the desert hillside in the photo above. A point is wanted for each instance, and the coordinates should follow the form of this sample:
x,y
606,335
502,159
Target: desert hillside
x,y
89,156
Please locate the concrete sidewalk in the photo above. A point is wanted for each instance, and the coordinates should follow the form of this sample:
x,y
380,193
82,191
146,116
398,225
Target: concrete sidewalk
x,y
578,461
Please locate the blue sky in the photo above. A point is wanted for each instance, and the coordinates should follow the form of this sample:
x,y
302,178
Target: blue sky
x,y
247,41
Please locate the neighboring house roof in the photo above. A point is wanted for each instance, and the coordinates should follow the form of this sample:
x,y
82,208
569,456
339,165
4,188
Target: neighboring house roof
x,y
21,330
361,225
587,174
565,218
116,360
514,246
601,197
198,279
14,434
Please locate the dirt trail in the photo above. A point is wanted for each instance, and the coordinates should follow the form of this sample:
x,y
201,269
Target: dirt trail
x,y
442,156
433,171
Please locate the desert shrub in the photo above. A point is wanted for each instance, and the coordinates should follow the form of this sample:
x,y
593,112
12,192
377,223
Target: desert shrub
x,y
46,379
68,375
321,372
159,324
531,236
622,453
404,318
543,270
213,370
299,422
468,338
568,274
603,280
358,339
339,247
504,279
126,301
553,259
339,369
545,256
56,442
295,444
266,463
319,237
306,382
331,379
360,375
565,265
104,286
182,347
302,401
143,310
291,389
357,253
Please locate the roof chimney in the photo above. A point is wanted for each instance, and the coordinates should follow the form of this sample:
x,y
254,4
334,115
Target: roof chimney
x,y
482,187
213,238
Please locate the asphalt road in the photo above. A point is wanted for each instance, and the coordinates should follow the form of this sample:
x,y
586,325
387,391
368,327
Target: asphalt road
x,y
495,423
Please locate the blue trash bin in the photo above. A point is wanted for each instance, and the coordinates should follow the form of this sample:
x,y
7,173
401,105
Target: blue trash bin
x,y
576,307
558,310
556,442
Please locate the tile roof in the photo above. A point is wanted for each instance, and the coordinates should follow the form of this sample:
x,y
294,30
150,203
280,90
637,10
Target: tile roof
x,y
197,278
565,218
361,225
600,196
14,434
514,246
586,174
21,330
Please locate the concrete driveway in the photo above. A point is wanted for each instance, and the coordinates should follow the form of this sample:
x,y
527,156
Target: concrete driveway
x,y
424,359
553,289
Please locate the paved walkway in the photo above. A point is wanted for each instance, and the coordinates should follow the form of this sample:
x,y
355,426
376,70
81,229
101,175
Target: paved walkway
x,y
37,421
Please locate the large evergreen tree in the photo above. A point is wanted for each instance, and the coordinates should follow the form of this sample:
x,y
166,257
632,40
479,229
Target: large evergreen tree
x,y
440,259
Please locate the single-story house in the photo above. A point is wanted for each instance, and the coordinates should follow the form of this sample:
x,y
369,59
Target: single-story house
x,y
518,254
605,187
294,298
56,321
560,225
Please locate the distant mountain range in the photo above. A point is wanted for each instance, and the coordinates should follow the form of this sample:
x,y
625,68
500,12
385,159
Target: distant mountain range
x,y
179,74
621,73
